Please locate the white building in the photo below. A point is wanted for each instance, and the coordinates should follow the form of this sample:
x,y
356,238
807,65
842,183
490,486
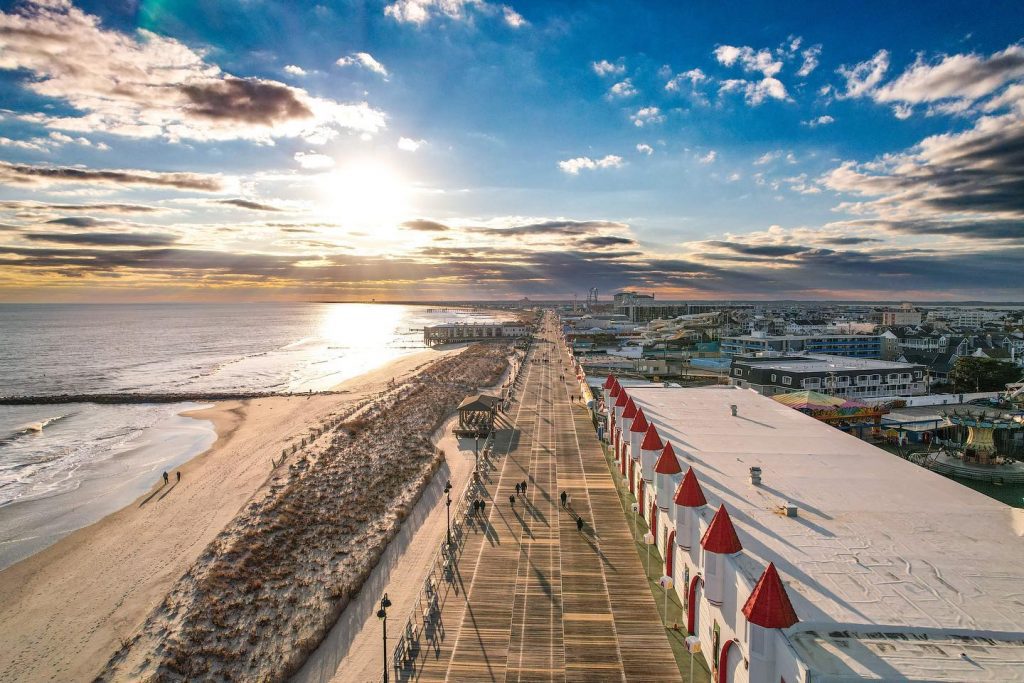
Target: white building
x,y
805,554
904,315
458,332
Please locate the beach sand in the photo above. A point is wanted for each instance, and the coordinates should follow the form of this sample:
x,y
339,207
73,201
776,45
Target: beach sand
x,y
64,610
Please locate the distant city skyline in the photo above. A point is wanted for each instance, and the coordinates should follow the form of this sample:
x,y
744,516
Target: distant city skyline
x,y
171,150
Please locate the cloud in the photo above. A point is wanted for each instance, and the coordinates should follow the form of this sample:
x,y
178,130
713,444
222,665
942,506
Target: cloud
x,y
313,161
750,59
810,63
104,239
647,116
552,227
577,164
644,148
424,225
822,120
845,241
606,68
603,241
248,204
693,76
81,222
770,250
863,78
19,205
294,70
364,60
622,90
43,176
960,77
145,85
421,12
410,145
708,158
513,18
755,92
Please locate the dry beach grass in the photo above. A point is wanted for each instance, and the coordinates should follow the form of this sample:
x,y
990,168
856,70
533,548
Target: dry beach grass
x,y
267,589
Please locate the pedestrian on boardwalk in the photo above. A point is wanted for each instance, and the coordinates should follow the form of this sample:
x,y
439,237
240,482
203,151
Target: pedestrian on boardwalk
x,y
579,524
483,505
564,497
517,489
523,487
166,478
512,502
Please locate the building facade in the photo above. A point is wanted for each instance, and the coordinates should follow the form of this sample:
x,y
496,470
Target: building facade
x,y
459,332
852,345
852,378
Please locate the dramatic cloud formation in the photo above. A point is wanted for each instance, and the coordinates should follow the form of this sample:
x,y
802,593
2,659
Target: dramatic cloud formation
x,y
42,176
420,12
574,166
172,91
365,60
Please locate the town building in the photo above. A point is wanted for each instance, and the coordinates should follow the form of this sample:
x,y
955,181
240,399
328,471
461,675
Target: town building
x,y
853,345
852,378
801,553
904,315
460,332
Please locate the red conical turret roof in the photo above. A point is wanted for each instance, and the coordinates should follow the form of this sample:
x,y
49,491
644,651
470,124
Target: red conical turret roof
x,y
630,410
690,494
721,535
667,463
609,383
620,402
768,605
639,422
616,390
651,442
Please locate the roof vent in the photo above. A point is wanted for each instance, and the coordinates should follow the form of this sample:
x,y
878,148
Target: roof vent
x,y
789,509
755,476
733,409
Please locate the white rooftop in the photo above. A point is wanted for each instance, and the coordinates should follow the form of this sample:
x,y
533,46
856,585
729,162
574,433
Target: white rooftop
x,y
879,545
823,362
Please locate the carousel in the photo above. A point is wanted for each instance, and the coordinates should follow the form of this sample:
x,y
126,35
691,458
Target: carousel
x,y
980,446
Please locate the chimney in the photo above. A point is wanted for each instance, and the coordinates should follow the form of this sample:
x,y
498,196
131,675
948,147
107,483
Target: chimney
x,y
733,409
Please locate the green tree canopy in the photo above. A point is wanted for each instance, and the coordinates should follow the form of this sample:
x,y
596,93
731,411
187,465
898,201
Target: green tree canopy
x,y
982,374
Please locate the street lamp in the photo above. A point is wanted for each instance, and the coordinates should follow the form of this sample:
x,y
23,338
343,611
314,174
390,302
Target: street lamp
x,y
448,508
382,614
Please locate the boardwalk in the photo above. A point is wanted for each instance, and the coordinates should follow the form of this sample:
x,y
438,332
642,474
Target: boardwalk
x,y
532,598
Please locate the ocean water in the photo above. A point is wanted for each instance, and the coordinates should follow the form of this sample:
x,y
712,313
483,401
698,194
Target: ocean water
x,y
65,466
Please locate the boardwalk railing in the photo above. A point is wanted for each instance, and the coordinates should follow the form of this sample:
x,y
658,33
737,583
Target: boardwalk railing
x,y
422,625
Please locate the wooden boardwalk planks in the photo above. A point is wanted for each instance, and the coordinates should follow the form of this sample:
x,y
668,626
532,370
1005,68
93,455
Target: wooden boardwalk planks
x,y
533,599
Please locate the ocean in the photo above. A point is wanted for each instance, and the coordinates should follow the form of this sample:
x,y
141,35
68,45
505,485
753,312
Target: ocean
x,y
90,460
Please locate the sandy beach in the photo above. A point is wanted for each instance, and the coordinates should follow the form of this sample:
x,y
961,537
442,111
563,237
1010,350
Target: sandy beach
x,y
64,610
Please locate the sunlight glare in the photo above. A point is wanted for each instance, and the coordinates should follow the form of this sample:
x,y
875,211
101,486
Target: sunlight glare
x,y
365,195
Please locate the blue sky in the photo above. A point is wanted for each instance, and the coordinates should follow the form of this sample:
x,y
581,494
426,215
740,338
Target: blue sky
x,y
253,149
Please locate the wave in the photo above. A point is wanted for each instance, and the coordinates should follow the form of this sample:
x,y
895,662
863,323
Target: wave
x,y
31,428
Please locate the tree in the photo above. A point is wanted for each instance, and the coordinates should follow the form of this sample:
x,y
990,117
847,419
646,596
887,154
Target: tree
x,y
982,374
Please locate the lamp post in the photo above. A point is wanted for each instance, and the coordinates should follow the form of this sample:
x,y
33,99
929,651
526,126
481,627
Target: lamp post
x,y
448,509
476,455
382,614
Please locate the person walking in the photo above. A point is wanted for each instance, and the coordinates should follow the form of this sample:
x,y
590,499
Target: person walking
x,y
522,487
579,524
483,505
178,474
564,497
512,502
517,489
166,479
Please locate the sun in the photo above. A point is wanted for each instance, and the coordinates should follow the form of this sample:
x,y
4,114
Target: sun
x,y
365,195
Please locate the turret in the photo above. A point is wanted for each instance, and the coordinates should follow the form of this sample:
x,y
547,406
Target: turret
x,y
667,475
719,539
650,449
606,390
768,608
636,433
689,496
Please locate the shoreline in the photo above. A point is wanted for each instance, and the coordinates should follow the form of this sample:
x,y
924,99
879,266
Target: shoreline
x,y
74,601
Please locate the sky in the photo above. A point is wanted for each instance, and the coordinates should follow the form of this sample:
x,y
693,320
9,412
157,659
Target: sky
x,y
242,150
